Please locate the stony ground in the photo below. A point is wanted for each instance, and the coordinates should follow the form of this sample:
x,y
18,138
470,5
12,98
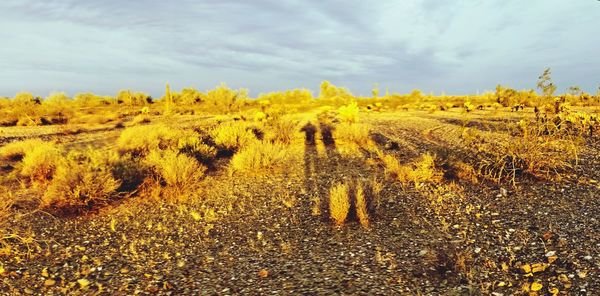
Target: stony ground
x,y
270,234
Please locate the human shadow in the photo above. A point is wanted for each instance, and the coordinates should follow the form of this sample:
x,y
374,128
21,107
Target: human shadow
x,y
321,172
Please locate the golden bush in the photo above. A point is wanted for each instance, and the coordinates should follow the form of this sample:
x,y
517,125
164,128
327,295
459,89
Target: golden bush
x,y
177,170
339,203
40,163
260,157
81,179
233,135
17,150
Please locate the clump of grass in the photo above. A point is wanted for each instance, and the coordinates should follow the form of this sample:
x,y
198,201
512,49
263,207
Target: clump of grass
x,y
361,206
16,150
339,203
418,172
260,157
81,179
175,169
233,135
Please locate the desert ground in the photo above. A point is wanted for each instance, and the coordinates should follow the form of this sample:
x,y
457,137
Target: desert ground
x,y
363,198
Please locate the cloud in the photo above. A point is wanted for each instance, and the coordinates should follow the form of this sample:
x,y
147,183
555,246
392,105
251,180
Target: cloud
x,y
457,47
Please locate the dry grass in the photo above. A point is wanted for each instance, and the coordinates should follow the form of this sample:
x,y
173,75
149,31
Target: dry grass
x,y
418,172
81,179
534,148
260,157
339,203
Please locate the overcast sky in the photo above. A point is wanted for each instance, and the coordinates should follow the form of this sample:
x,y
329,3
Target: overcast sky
x,y
455,47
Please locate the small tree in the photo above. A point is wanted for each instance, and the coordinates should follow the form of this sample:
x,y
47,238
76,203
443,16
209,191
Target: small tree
x,y
574,90
375,90
546,85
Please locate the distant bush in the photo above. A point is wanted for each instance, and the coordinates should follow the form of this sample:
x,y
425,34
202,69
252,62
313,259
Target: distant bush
x,y
339,203
177,170
81,179
128,97
224,99
140,140
260,157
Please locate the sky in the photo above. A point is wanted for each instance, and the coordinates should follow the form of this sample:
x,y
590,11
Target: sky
x,y
452,47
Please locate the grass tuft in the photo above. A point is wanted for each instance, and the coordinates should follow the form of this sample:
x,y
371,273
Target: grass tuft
x,y
339,203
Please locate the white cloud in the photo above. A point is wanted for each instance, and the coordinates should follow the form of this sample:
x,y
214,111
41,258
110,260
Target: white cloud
x,y
457,47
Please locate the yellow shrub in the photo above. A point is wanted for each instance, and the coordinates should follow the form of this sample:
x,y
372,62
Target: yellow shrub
x,y
260,157
193,146
233,135
361,206
17,150
339,203
81,179
40,163
176,170
349,113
